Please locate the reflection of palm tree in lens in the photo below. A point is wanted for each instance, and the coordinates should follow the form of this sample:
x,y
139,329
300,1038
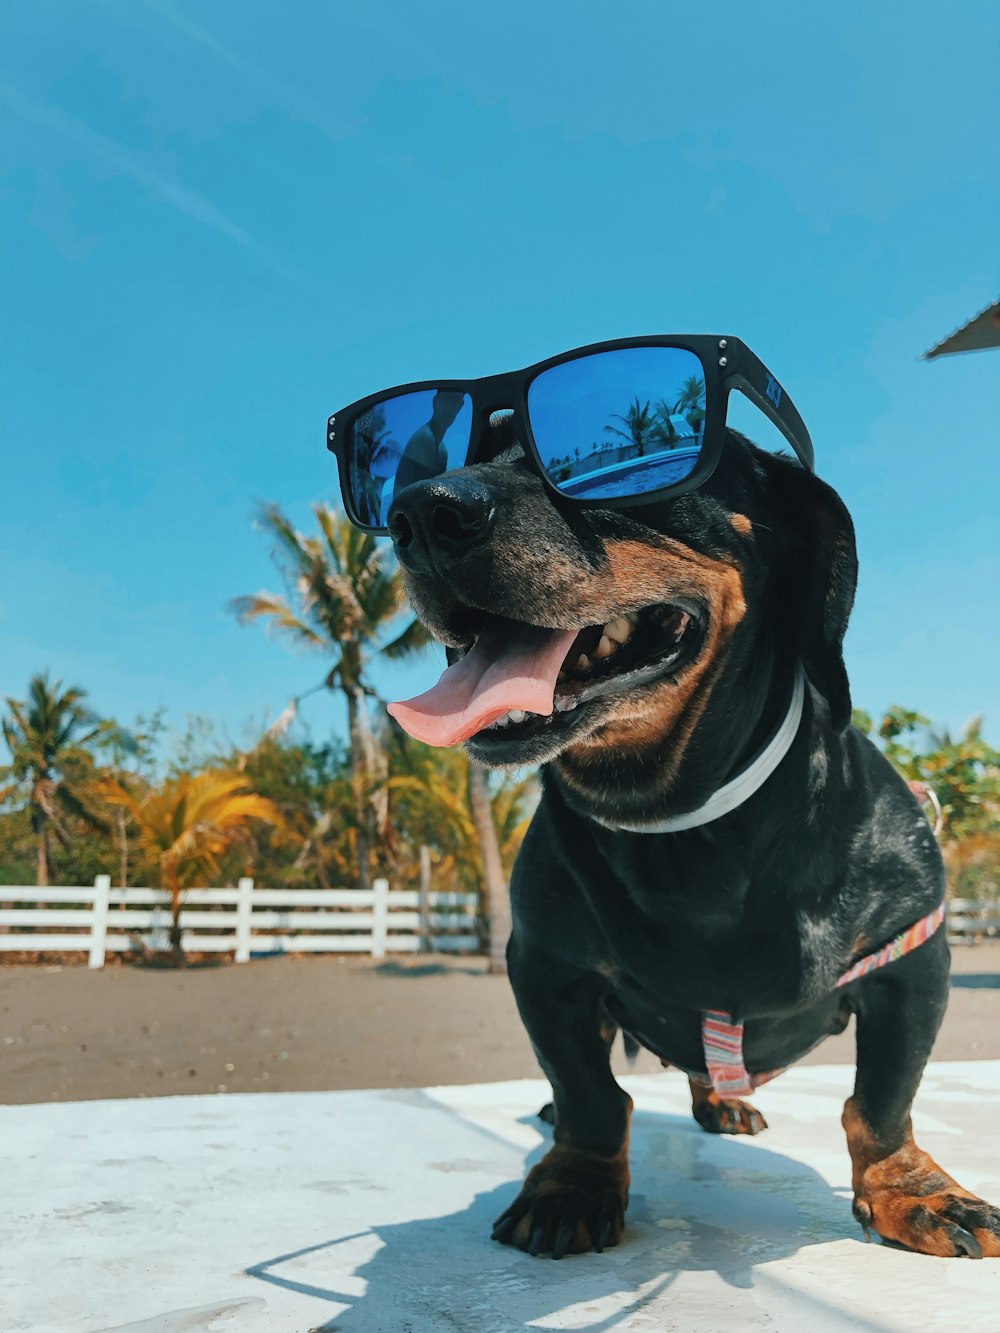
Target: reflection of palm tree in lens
x,y
374,461
664,430
689,406
691,402
639,423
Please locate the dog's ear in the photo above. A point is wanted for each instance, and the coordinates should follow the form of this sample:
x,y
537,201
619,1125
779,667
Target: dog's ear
x,y
819,573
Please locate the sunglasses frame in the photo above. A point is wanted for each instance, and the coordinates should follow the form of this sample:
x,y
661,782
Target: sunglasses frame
x,y
727,363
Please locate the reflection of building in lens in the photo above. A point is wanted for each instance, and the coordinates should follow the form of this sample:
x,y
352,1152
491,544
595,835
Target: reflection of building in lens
x,y
425,455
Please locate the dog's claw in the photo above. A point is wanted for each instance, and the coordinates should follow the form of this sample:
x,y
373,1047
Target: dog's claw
x,y
563,1237
603,1232
966,1243
536,1241
503,1227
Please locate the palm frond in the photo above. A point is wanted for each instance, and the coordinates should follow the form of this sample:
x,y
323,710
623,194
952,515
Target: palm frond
x,y
414,638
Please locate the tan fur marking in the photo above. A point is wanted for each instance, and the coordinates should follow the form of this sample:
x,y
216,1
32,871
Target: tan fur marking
x,y
742,525
902,1193
728,1115
643,575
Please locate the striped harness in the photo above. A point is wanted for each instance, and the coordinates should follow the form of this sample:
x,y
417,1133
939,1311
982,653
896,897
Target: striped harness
x,y
722,1036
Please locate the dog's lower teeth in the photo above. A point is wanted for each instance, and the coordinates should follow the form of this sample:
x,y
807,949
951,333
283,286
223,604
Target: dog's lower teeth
x,y
605,648
565,705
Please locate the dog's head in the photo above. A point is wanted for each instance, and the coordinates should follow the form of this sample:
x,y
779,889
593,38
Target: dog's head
x,y
601,638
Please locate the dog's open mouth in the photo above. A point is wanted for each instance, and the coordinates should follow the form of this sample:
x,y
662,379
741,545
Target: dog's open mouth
x,y
517,680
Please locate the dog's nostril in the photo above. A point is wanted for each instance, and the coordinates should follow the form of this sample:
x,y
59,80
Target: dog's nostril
x,y
461,520
400,530
452,523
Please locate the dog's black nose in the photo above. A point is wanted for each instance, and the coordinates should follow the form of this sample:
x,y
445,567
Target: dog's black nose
x,y
447,515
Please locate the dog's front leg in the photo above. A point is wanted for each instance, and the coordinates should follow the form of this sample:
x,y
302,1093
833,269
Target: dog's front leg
x,y
899,1190
575,1198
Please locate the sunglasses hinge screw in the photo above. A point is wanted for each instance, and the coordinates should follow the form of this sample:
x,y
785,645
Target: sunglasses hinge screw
x,y
722,343
723,361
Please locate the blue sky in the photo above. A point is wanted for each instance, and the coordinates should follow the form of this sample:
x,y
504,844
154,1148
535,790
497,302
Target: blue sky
x,y
223,220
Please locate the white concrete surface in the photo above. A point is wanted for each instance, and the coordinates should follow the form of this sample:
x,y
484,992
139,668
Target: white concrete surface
x,y
369,1212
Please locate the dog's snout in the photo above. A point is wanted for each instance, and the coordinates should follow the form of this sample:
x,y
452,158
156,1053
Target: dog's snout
x,y
450,516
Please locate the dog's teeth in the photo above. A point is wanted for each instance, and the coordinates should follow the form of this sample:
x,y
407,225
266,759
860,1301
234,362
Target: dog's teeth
x,y
566,704
605,648
582,662
516,715
618,630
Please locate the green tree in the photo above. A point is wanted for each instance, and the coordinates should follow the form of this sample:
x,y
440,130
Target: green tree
x,y
50,736
128,758
473,824
311,786
186,824
964,773
342,600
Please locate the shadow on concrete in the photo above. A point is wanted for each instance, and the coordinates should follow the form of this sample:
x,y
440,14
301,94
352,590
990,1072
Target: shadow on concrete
x,y
394,969
976,980
709,1205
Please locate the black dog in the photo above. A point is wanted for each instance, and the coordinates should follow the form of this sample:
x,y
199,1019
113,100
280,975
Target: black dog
x,y
683,633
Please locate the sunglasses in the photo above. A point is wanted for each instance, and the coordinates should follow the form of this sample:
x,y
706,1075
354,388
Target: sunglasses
x,y
612,424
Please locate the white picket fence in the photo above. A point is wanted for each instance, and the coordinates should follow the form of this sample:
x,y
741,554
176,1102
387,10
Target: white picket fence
x,y
970,921
97,919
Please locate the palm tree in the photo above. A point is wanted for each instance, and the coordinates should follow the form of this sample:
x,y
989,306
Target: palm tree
x,y
447,802
47,735
186,824
639,423
692,398
664,430
497,897
343,599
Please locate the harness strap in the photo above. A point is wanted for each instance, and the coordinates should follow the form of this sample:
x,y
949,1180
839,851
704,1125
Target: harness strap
x,y
722,1036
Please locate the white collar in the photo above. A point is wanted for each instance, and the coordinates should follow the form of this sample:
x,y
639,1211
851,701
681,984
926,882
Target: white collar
x,y
740,788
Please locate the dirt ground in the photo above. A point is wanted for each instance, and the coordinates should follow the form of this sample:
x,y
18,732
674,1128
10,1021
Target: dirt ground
x,y
310,1024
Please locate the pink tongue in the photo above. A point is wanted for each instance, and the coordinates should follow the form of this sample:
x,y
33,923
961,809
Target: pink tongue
x,y
511,666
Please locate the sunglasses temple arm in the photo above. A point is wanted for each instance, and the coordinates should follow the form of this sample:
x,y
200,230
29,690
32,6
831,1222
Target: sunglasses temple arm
x,y
753,379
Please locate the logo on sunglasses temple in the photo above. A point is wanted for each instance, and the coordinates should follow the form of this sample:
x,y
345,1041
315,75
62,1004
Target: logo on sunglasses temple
x,y
773,390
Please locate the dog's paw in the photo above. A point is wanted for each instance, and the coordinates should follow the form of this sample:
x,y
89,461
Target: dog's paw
x,y
725,1115
570,1202
928,1212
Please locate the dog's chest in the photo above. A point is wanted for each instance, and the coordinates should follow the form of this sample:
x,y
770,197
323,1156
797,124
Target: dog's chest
x,y
701,932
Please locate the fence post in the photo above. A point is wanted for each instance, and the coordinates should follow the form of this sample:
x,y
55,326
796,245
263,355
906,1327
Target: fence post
x,y
244,920
380,917
99,921
424,899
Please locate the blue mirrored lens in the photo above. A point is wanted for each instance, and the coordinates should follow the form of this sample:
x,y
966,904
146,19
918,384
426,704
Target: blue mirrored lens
x,y
403,440
619,423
